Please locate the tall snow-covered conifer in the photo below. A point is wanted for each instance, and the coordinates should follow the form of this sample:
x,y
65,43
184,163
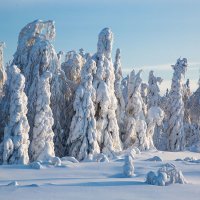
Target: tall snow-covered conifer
x,y
16,138
42,146
118,91
175,128
35,55
106,102
135,119
83,134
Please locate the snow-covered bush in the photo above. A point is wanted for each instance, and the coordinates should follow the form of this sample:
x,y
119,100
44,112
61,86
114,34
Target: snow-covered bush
x,y
128,166
16,138
175,115
106,102
42,146
83,133
166,175
36,165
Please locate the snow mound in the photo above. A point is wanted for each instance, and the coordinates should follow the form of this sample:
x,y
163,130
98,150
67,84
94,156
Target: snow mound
x,y
195,147
155,158
14,183
36,165
189,159
166,175
102,158
70,159
56,161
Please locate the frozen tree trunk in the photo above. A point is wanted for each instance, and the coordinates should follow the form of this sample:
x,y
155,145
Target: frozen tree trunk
x,y
42,146
118,92
83,134
106,102
134,110
35,55
16,138
175,129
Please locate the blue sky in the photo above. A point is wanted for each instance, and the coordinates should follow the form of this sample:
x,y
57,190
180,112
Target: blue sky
x,y
152,34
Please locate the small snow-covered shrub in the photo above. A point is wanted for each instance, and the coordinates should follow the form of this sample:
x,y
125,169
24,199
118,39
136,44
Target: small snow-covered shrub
x,y
166,175
36,165
128,166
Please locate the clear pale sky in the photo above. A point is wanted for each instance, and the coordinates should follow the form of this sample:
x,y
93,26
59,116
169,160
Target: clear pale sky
x,y
151,34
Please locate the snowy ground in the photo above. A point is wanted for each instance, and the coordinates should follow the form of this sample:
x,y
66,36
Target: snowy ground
x,y
93,181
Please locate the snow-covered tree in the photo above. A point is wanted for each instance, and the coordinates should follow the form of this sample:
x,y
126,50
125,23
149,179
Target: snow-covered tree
x,y
135,115
35,55
106,102
154,100
83,134
2,72
153,90
42,146
144,88
16,138
118,91
175,128
155,117
73,65
193,134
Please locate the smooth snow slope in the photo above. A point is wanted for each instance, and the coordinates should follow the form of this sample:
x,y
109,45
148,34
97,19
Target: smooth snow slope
x,y
93,181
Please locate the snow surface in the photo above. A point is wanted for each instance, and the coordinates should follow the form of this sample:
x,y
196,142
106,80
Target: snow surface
x,y
96,180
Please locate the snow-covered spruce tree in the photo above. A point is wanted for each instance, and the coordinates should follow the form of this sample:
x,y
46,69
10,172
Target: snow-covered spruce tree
x,y
83,134
124,84
16,138
42,146
154,100
73,65
135,115
118,92
2,72
175,128
106,102
144,88
153,90
155,117
187,122
193,136
35,55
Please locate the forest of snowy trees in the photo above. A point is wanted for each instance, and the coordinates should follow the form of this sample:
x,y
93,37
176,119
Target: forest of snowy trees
x,y
78,104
